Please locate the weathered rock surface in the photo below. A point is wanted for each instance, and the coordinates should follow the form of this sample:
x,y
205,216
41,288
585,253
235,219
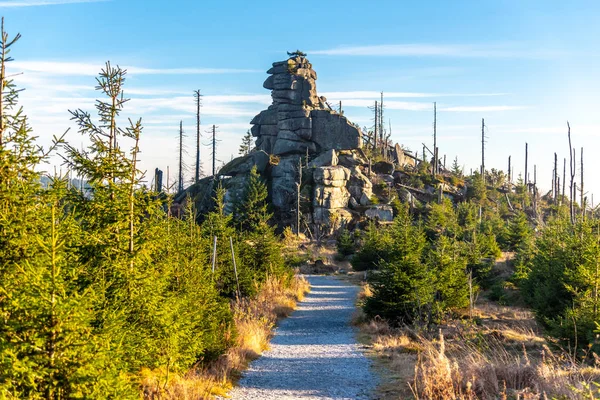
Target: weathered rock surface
x,y
379,212
328,158
383,167
243,165
300,132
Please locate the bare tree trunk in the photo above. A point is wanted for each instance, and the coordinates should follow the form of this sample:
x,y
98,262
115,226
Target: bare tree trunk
x,y
180,176
375,129
483,149
564,178
509,171
435,160
581,188
198,105
526,157
572,172
214,151
555,181
381,130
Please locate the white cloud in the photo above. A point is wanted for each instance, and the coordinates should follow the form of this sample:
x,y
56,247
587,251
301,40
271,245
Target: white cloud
x,y
32,3
429,50
93,68
388,95
481,108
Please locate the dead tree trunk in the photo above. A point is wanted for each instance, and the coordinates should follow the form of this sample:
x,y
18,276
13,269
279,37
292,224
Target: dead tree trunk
x,y
381,130
572,173
483,149
435,160
214,151
581,187
180,175
198,105
555,180
375,129
526,156
509,171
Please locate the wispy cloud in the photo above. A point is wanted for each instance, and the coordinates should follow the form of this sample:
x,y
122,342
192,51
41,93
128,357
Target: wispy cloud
x,y
438,50
92,69
389,95
427,106
33,3
482,108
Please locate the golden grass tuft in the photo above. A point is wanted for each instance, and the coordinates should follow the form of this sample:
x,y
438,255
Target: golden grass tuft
x,y
490,372
503,356
254,320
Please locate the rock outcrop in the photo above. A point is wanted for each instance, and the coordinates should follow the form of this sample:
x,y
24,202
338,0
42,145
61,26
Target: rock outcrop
x,y
300,132
298,124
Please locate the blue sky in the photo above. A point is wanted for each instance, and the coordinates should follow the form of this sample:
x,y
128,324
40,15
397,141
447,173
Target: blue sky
x,y
525,66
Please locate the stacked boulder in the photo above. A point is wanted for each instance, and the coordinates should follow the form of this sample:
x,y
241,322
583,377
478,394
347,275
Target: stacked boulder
x,y
300,134
296,124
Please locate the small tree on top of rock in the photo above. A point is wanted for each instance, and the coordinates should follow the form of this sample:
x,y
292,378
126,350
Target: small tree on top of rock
x,y
246,145
296,53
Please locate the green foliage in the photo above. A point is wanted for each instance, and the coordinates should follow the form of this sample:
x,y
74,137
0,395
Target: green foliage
x,y
246,144
562,280
96,287
477,191
345,243
252,208
456,169
402,288
376,247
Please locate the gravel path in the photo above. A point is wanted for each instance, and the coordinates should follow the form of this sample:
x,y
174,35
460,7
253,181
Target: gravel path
x,y
314,353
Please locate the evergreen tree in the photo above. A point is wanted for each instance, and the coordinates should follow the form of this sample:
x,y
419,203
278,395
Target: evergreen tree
x,y
456,169
345,243
252,208
246,145
402,290
451,281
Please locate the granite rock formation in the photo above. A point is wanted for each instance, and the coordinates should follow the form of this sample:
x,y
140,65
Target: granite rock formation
x,y
300,132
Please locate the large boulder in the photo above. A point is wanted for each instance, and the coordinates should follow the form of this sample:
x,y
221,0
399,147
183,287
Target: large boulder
x,y
327,176
285,146
330,197
380,212
359,185
243,165
328,158
333,131
383,167
351,158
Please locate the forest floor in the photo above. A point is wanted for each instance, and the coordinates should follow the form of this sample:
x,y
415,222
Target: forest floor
x,y
314,353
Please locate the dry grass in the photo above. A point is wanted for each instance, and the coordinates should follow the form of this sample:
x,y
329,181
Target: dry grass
x,y
254,320
468,371
503,356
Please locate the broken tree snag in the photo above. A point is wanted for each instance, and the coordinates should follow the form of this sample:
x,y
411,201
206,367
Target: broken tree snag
x,y
555,181
526,155
198,97
564,179
375,129
509,173
483,149
581,187
435,161
572,173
